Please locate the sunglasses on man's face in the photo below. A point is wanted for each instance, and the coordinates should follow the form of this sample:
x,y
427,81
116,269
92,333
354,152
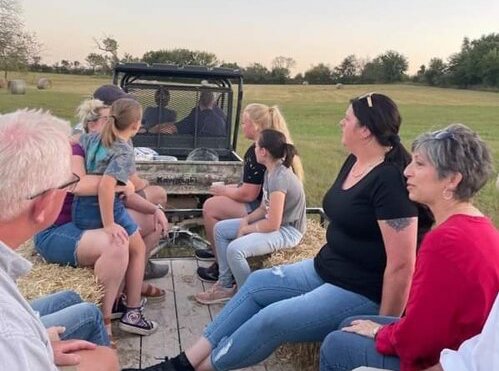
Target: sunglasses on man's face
x,y
69,186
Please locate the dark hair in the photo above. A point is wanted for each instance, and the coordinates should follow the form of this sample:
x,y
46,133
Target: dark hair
x,y
162,96
381,116
275,143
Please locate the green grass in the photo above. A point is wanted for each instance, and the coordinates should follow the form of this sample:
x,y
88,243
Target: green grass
x,y
313,113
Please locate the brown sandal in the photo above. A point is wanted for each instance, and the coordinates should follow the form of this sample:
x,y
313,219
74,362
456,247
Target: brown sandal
x,y
153,293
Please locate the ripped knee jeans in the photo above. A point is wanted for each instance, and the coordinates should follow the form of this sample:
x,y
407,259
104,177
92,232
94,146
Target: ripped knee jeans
x,y
288,303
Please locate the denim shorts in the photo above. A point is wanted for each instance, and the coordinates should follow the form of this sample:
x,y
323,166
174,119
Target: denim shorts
x,y
86,214
58,243
252,206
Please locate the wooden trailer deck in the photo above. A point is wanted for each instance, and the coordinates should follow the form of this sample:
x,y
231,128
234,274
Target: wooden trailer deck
x,y
181,320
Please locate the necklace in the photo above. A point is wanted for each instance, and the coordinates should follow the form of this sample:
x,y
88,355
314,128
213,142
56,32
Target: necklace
x,y
367,168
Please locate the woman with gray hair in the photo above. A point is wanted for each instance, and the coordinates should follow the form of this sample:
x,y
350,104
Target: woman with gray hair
x,y
457,269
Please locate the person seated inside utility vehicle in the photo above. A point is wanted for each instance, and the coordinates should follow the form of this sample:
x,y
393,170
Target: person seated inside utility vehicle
x,y
209,117
154,118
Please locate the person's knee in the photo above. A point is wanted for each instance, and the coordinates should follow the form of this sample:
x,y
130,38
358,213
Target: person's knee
x,y
346,322
329,348
69,296
234,253
90,313
209,207
156,195
257,279
213,208
118,252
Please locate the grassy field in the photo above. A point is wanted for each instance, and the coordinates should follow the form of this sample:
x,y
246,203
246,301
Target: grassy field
x,y
313,113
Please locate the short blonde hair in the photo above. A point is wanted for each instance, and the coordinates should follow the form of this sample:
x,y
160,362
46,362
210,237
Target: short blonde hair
x,y
88,111
35,155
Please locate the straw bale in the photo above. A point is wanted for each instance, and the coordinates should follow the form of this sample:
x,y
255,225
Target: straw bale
x,y
304,355
47,278
311,243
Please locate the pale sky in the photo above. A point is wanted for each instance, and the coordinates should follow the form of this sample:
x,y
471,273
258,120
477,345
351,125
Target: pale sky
x,y
310,31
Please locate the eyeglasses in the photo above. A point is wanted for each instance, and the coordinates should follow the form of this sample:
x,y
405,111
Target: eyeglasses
x,y
69,186
106,118
369,99
101,117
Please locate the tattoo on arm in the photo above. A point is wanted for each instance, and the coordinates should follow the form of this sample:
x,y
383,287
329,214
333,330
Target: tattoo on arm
x,y
399,224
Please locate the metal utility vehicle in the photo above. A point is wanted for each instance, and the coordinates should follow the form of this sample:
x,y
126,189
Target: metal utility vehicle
x,y
189,160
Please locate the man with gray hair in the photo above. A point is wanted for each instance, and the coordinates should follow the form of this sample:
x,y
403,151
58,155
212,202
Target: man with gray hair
x,y
35,173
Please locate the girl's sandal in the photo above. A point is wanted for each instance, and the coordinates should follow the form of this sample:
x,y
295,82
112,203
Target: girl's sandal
x,y
152,293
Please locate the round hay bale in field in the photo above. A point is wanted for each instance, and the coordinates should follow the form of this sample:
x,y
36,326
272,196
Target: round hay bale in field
x,y
3,83
17,87
44,83
339,86
44,278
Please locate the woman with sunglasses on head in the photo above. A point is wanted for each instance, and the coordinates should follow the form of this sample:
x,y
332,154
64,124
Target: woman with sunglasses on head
x,y
365,267
457,271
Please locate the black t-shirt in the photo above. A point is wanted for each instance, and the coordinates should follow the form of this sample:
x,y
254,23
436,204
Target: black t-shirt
x,y
253,172
354,256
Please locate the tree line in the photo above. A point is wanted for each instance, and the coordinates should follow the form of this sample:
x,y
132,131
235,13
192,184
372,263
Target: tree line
x,y
475,65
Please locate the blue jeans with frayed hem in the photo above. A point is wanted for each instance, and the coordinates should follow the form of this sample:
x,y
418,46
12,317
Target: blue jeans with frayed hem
x,y
288,303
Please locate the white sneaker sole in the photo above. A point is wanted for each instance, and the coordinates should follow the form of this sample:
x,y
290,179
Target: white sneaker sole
x,y
116,315
138,330
205,259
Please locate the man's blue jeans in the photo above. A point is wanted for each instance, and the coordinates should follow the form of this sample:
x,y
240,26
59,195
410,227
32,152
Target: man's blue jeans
x,y
288,303
341,351
81,320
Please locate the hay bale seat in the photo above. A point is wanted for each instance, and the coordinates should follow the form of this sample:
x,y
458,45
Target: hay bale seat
x,y
304,355
47,278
